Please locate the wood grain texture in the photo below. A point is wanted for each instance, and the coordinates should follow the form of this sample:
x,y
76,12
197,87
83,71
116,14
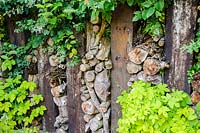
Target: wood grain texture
x,y
180,29
76,121
45,89
121,44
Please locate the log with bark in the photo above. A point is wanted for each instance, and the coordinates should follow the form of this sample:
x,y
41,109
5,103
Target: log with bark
x,y
89,76
104,49
88,107
137,55
102,85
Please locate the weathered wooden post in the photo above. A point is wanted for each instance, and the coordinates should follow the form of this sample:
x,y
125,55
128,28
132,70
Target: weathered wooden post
x,y
121,44
180,27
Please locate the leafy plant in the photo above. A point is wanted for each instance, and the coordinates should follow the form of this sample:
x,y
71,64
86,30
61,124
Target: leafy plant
x,y
156,109
13,58
17,110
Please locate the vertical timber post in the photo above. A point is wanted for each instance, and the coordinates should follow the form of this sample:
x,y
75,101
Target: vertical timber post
x,y
180,27
121,43
45,89
76,122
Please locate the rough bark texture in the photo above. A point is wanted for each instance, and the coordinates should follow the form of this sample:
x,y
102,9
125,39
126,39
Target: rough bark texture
x,y
181,21
76,121
121,36
43,68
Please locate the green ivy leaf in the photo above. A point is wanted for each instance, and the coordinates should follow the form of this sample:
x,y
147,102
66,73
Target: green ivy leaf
x,y
137,16
159,5
147,13
147,4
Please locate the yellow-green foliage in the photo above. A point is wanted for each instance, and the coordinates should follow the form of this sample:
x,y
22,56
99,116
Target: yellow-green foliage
x,y
156,109
17,110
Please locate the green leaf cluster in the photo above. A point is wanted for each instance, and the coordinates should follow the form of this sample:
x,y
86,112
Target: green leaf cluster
x,y
156,109
17,109
12,59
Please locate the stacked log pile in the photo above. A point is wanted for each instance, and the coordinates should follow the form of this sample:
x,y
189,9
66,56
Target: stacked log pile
x,y
95,90
57,83
56,76
146,61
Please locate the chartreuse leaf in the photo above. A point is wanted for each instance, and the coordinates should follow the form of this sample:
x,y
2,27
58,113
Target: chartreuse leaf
x,y
156,109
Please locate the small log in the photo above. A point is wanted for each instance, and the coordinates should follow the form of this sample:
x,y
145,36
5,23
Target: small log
x,y
84,67
50,42
35,52
141,76
58,90
88,107
99,67
93,62
137,55
102,85
104,49
97,20
60,101
87,117
161,42
106,117
108,64
84,61
93,50
133,68
95,124
151,66
89,84
89,76
103,107
195,97
85,97
34,59
156,38
154,79
99,116
61,66
53,60
89,56
94,98
30,78
96,28
29,58
83,88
